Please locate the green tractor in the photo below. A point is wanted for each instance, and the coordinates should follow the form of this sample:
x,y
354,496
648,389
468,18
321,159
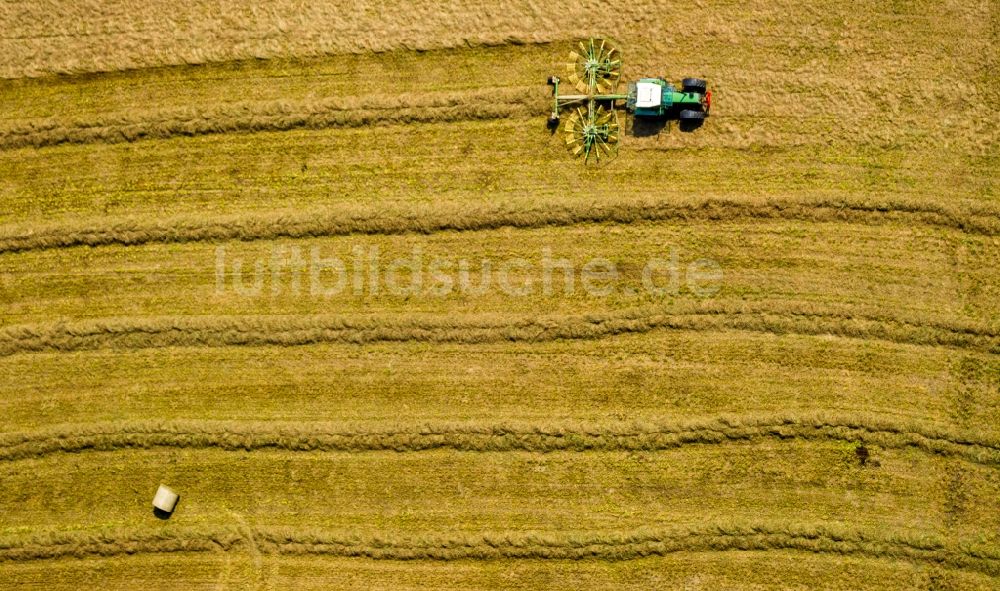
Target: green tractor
x,y
594,126
655,97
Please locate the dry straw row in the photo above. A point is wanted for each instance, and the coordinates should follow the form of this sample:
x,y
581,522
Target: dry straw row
x,y
818,539
222,331
428,219
571,436
477,104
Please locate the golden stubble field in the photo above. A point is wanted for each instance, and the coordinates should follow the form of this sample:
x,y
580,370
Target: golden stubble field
x,y
153,155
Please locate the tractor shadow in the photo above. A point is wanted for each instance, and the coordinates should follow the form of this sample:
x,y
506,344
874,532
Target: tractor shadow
x,y
649,127
643,127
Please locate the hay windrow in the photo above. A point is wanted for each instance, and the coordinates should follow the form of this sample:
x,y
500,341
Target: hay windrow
x,y
226,331
247,117
820,539
361,220
497,437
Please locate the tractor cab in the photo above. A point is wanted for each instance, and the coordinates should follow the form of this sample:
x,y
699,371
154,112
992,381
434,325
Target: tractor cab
x,y
649,97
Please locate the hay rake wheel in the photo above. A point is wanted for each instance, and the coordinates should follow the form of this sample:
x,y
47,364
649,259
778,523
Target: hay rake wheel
x,y
593,135
596,68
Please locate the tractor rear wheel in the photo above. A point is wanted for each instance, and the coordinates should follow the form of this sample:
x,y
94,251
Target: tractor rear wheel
x,y
691,120
694,85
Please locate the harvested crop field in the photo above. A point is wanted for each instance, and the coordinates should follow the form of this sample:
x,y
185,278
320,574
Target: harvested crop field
x,y
322,269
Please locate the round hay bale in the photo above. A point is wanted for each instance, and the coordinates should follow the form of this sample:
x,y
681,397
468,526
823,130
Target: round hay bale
x,y
165,499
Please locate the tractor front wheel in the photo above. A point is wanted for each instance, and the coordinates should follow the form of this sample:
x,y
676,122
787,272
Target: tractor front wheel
x,y
694,85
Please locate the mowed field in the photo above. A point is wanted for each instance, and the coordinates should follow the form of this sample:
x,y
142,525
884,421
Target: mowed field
x,y
156,159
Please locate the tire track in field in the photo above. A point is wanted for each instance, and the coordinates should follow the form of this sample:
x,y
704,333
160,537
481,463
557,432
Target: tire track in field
x,y
245,117
423,219
283,541
228,331
496,437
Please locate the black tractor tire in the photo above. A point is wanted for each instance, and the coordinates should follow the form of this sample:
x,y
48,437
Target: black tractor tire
x,y
694,85
691,120
553,122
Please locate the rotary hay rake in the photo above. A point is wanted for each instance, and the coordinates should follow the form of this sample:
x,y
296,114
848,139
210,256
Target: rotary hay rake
x,y
594,125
